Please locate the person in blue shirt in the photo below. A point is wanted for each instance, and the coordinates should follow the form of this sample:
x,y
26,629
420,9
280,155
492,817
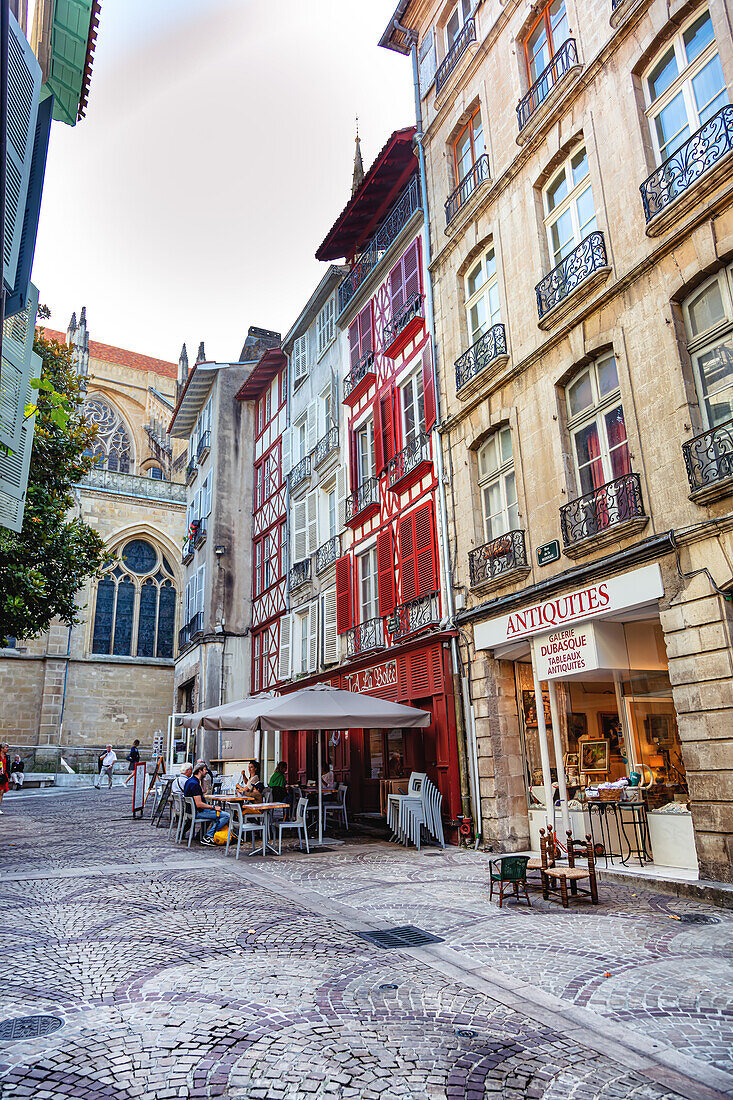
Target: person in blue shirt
x,y
204,812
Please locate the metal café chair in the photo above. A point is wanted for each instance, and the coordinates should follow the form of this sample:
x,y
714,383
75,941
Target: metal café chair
x,y
243,824
298,823
338,808
177,815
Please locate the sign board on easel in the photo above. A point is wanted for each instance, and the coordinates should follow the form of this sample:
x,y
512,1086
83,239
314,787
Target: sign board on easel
x,y
138,789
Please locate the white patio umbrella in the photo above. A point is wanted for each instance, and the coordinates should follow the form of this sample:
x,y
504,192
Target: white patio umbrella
x,y
317,707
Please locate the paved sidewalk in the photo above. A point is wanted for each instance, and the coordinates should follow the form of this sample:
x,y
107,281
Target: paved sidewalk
x,y
178,973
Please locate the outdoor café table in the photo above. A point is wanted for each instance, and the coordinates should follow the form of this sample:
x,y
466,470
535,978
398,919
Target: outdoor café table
x,y
252,808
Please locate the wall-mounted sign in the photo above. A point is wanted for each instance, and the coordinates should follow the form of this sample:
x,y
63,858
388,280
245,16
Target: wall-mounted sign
x,y
576,650
549,552
371,679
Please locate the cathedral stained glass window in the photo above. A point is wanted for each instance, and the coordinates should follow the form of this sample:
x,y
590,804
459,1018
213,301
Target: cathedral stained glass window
x,y
135,611
113,448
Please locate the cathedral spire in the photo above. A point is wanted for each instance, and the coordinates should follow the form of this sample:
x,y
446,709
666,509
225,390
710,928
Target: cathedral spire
x,y
201,356
358,175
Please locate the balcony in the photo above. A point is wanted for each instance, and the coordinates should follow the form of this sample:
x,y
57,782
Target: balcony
x,y
586,266
196,625
358,381
300,573
300,472
363,503
133,485
404,327
415,615
482,360
204,446
326,445
410,464
709,462
466,36
191,471
189,547
199,537
470,183
327,553
604,516
364,637
546,89
690,173
184,637
500,561
387,233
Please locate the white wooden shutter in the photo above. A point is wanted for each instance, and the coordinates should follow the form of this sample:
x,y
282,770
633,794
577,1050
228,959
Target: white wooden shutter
x,y
313,637
201,584
206,497
341,497
300,536
15,372
311,429
24,86
15,465
427,63
328,621
300,358
284,655
286,452
334,400
312,522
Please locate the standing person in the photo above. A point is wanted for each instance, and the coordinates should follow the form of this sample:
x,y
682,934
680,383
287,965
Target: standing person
x,y
133,758
108,763
4,773
204,812
17,772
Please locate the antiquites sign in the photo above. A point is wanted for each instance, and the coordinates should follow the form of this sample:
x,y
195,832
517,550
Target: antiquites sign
x,y
603,598
580,649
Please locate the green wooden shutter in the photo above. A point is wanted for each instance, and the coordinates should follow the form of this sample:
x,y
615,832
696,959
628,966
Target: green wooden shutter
x,y
14,465
24,88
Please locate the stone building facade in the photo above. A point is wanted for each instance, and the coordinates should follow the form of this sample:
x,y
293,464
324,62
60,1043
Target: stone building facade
x,y
578,165
110,678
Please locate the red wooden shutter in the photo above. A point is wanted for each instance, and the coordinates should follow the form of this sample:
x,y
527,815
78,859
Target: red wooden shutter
x,y
344,619
365,329
379,456
407,558
428,388
397,288
354,343
411,271
353,461
386,572
425,556
388,433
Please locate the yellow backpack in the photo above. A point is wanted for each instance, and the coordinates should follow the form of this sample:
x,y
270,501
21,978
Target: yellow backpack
x,y
221,836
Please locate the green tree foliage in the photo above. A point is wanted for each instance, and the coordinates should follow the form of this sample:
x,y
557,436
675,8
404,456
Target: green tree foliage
x,y
43,567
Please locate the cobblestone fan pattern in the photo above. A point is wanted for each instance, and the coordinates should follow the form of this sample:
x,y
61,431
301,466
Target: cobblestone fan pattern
x,y
176,976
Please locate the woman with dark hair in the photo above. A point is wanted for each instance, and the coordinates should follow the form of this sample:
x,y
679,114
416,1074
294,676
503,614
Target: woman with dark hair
x,y
250,782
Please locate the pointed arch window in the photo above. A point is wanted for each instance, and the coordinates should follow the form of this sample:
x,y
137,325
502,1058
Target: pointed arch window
x,y
135,611
113,449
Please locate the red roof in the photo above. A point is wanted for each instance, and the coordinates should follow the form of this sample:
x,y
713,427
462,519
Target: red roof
x,y
263,372
119,356
380,187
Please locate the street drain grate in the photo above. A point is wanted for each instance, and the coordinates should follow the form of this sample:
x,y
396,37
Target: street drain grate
x,y
466,1033
406,936
28,1027
698,918
388,985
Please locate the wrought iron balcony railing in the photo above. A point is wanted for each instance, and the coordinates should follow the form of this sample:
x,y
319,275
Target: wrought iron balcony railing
x,y
200,533
110,481
607,506
405,206
585,259
196,624
403,464
365,496
501,555
326,445
466,35
300,472
300,573
184,637
415,615
204,446
364,636
394,328
466,187
709,456
189,547
564,59
327,553
702,151
354,377
191,471
486,349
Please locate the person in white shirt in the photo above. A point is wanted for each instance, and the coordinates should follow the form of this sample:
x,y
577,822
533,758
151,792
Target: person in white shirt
x,y
180,781
108,762
328,783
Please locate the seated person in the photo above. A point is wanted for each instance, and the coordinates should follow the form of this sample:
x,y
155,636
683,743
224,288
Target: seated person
x,y
204,812
180,781
278,785
250,783
328,783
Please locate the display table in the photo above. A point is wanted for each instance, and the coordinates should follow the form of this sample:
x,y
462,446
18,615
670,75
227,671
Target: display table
x,y
630,827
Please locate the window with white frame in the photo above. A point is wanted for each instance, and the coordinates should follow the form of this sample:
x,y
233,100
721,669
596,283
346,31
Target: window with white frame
x,y
300,441
454,23
324,413
368,592
709,321
483,309
596,425
365,459
325,325
498,485
265,550
206,497
685,86
332,512
300,358
413,408
570,213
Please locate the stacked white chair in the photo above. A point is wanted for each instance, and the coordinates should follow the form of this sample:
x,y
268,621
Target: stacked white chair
x,y
408,814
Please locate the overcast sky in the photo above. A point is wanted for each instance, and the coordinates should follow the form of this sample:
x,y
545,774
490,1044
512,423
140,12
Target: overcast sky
x,y
216,153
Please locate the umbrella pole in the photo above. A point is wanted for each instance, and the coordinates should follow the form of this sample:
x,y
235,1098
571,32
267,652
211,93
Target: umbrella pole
x,y
320,790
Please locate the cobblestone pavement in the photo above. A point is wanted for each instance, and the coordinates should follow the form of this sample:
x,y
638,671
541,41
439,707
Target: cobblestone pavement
x,y
180,973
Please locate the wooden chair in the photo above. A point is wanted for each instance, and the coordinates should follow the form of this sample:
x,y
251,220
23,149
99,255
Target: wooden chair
x,y
556,877
512,871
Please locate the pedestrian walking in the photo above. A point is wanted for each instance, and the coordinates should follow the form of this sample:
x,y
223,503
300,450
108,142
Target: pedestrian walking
x,y
4,773
108,763
17,772
133,758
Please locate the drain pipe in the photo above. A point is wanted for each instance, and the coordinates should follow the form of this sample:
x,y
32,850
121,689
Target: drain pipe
x,y
468,764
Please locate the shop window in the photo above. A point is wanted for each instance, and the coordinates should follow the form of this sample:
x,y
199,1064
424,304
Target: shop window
x,y
684,86
597,427
468,147
544,39
413,409
709,321
570,213
497,485
134,614
113,446
368,601
483,309
386,754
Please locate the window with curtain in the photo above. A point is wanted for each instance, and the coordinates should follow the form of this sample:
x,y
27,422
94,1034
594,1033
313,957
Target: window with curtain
x,y
483,309
135,608
113,448
684,86
709,322
570,213
596,425
497,484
